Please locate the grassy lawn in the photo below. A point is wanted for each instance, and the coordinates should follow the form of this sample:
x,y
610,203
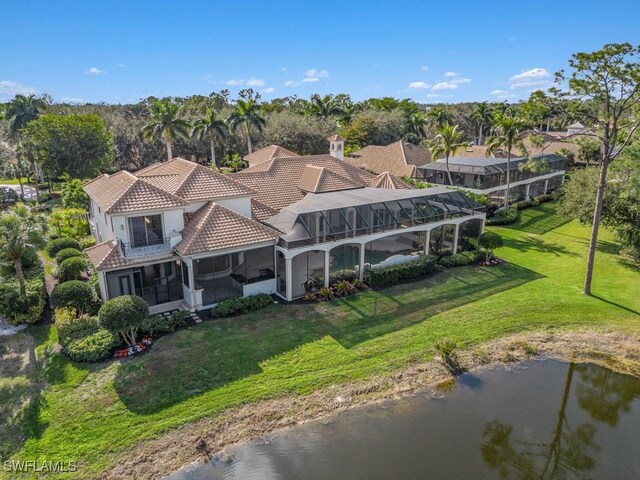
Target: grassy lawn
x,y
90,414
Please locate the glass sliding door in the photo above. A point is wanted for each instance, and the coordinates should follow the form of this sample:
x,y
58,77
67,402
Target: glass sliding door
x,y
145,230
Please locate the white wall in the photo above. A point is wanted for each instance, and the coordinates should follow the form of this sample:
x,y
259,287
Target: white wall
x,y
103,226
240,205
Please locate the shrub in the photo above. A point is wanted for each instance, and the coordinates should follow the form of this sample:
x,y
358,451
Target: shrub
x,y
124,315
239,305
54,246
343,288
461,259
65,253
18,308
544,198
379,277
504,217
83,340
73,294
325,293
341,276
489,241
447,349
86,242
71,268
521,205
164,324
64,316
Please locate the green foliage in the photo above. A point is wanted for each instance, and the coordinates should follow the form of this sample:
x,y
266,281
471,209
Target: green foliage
x,y
303,134
73,194
325,293
380,277
83,340
87,242
27,308
588,150
522,204
67,253
447,349
74,294
77,144
155,324
71,268
64,316
504,217
375,127
461,259
58,244
489,241
341,276
481,198
124,315
69,222
416,183
239,305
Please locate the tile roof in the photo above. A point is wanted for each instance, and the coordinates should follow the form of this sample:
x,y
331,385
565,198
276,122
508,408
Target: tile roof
x,y
192,181
399,158
389,181
260,212
123,192
107,255
214,227
267,153
336,138
276,181
320,179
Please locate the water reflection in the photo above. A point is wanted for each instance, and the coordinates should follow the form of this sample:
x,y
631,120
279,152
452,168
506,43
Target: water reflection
x,y
571,448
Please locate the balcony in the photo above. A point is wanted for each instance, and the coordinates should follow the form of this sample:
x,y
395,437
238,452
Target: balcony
x,y
141,249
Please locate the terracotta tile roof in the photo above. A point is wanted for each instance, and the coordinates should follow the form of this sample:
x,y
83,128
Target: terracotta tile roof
x,y
107,255
389,181
336,138
399,158
123,192
276,181
267,153
214,227
260,212
320,179
191,181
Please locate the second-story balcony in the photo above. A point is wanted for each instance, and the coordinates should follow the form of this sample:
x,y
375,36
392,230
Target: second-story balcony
x,y
151,247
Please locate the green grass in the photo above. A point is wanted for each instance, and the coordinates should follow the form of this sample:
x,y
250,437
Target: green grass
x,y
90,414
13,181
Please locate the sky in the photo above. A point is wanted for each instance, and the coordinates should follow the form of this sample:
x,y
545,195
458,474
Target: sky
x,y
429,51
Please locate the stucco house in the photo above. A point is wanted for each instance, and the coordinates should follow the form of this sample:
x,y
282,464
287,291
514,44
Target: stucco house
x,y
183,236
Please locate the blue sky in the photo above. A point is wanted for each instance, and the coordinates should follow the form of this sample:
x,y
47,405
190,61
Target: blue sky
x,y
430,51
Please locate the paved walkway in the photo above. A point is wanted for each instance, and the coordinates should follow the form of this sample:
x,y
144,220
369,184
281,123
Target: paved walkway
x,y
29,192
6,329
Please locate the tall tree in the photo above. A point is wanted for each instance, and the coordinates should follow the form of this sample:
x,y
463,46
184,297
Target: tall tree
x,y
482,113
609,80
507,133
447,142
439,115
166,124
324,107
418,124
22,230
212,127
247,115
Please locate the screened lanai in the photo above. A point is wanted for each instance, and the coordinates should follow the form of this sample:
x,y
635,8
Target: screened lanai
x,y
327,217
486,173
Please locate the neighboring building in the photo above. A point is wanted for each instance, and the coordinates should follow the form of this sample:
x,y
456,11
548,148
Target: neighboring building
x,y
267,153
488,176
400,158
182,236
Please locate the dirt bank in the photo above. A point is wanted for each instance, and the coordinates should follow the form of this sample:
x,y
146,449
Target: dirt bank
x,y
158,457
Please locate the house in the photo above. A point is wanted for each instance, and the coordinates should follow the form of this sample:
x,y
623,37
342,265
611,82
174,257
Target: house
x,y
267,153
488,175
183,236
399,158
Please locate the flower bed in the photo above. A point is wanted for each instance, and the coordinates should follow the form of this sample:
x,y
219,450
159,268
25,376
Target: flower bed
x,y
342,288
137,348
492,263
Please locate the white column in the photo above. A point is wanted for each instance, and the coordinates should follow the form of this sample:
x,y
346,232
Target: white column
x,y
427,241
288,279
484,222
526,193
361,266
192,284
546,185
326,268
455,239
102,283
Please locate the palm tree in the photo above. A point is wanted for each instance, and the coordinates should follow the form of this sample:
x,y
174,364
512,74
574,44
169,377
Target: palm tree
x,y
417,124
165,124
447,143
247,114
21,231
324,107
214,128
19,112
438,116
507,133
482,114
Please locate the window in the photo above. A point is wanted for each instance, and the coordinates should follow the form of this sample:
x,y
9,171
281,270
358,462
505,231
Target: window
x,y
146,230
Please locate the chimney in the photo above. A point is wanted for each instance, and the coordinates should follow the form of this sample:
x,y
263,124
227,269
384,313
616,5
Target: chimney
x,y
336,146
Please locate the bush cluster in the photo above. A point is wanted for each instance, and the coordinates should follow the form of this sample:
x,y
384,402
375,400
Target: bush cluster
x,y
461,259
380,277
161,324
521,205
17,308
86,242
65,253
77,295
235,306
54,246
82,339
71,268
545,198
505,217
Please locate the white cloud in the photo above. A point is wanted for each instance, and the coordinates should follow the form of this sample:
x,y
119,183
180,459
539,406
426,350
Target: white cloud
x,y
445,86
291,83
451,74
95,71
537,72
314,72
10,88
255,82
503,94
459,80
310,79
268,90
235,82
529,83
419,85
121,65
433,95
424,68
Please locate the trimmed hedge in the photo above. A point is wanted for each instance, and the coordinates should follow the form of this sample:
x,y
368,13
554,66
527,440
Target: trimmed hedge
x,y
239,305
74,294
462,259
545,198
65,253
342,276
83,340
71,268
161,324
23,309
521,205
380,277
505,217
54,246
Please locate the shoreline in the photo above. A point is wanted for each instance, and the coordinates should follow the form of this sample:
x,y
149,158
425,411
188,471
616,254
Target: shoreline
x,y
210,436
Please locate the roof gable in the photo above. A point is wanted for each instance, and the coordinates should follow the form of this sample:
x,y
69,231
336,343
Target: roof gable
x,y
317,179
267,153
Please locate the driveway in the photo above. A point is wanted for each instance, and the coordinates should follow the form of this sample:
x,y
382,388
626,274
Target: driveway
x,y
29,192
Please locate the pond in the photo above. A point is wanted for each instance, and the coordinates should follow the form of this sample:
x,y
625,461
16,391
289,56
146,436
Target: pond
x,y
542,420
